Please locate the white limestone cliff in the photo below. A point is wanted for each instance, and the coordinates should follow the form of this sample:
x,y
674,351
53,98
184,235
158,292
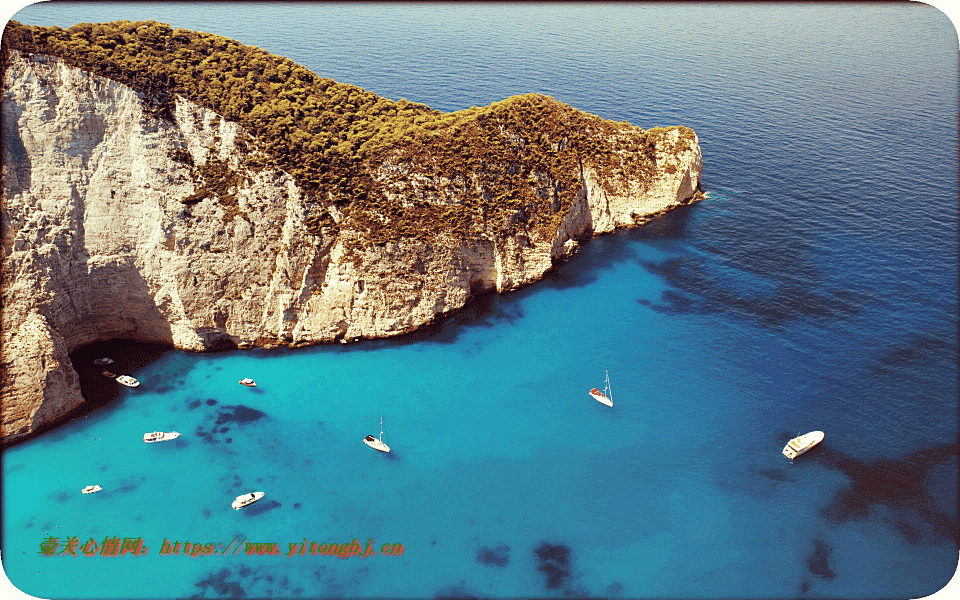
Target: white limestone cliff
x,y
97,244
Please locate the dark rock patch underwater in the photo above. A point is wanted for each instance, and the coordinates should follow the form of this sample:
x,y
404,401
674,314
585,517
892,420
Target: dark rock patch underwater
x,y
494,557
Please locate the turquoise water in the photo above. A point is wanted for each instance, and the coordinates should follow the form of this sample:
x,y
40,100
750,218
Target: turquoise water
x,y
816,288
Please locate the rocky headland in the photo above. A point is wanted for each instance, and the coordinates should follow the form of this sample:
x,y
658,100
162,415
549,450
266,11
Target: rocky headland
x,y
174,226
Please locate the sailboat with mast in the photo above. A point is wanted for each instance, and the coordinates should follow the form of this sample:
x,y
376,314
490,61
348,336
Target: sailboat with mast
x,y
377,443
606,396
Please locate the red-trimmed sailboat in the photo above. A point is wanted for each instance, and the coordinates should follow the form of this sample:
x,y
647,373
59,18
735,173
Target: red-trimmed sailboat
x,y
604,397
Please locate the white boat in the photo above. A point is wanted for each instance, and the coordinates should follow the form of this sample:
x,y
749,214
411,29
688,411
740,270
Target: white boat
x,y
128,381
802,443
377,443
246,500
90,489
159,436
103,361
248,382
604,397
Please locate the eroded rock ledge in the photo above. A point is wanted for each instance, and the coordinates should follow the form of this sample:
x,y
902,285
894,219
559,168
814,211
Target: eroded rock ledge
x,y
98,245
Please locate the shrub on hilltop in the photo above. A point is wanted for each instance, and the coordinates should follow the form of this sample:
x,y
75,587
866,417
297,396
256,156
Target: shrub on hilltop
x,y
392,169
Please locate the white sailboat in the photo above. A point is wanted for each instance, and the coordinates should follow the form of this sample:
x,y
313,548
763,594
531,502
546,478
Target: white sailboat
x,y
377,443
604,397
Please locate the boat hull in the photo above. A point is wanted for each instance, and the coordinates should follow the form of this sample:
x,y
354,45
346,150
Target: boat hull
x,y
802,444
377,445
163,437
91,489
246,500
599,397
128,381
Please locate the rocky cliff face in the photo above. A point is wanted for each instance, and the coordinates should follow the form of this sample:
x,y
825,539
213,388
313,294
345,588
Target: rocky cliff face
x,y
97,243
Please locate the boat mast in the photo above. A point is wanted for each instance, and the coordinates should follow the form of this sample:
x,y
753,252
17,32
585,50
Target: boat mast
x,y
609,390
381,426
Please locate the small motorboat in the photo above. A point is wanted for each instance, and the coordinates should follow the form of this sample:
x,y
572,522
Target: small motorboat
x,y
127,381
103,361
377,443
248,382
159,436
109,374
801,444
246,500
91,489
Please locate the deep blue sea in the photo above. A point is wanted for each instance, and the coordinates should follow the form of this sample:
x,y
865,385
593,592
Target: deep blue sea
x,y
814,289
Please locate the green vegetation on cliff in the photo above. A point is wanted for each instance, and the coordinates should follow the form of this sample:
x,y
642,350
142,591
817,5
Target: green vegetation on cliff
x,y
392,169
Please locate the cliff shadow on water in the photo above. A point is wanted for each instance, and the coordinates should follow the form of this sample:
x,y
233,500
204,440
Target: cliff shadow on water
x,y
492,309
604,252
99,391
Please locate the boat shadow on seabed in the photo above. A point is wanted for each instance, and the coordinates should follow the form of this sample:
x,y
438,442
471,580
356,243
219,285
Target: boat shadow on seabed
x,y
258,508
904,486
